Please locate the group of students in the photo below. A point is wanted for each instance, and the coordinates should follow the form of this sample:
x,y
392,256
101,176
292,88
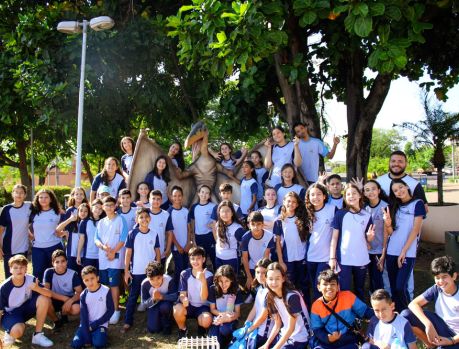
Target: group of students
x,y
310,234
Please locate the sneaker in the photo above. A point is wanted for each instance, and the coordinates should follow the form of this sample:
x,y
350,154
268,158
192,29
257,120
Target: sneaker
x,y
202,332
182,333
115,318
8,339
142,307
41,340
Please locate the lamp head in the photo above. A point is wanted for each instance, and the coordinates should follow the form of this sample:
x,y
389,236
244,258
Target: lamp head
x,y
101,23
69,27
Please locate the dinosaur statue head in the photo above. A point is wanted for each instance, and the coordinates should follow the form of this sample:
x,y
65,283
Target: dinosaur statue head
x,y
195,137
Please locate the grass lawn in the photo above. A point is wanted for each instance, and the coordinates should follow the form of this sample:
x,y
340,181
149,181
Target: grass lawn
x,y
137,337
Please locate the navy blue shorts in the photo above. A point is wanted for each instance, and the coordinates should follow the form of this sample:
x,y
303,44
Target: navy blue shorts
x,y
20,314
57,304
193,312
110,277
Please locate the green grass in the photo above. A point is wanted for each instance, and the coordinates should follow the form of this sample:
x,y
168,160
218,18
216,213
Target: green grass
x,y
138,337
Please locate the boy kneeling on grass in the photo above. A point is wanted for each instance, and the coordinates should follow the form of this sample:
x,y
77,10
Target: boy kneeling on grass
x,y
388,328
96,309
22,298
439,329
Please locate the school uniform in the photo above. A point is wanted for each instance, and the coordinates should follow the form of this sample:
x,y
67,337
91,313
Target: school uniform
x,y
388,332
296,306
417,192
128,216
293,252
310,151
338,202
115,185
43,226
398,277
270,214
180,220
262,176
225,303
158,183
376,246
227,252
192,287
352,251
283,190
63,284
256,248
249,188
201,215
159,313
143,247
17,302
280,156
15,237
110,232
126,163
228,164
72,242
318,254
96,308
266,326
445,319
89,252
161,223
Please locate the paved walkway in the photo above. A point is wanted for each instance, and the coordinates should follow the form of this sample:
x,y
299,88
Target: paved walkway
x,y
450,193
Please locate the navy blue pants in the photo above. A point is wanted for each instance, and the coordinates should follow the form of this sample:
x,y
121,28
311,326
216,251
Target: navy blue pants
x,y
207,242
438,323
398,279
224,332
233,262
256,342
72,264
159,317
346,341
297,273
180,264
376,276
134,293
41,259
314,269
98,338
6,258
351,273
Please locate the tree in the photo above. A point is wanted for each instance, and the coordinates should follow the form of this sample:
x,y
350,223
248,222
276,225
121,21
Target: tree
x,y
383,143
434,131
296,53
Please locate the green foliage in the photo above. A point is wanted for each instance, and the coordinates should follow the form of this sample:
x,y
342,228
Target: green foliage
x,y
384,142
60,191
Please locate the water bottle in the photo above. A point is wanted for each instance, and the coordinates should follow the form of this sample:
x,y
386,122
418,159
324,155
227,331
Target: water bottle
x,y
397,344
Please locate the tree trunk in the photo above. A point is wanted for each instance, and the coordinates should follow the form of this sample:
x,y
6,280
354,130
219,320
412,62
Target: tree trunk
x,y
87,168
361,113
440,185
439,161
21,146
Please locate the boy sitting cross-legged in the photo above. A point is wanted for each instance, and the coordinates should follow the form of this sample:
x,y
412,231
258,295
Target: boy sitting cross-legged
x,y
96,309
22,298
439,329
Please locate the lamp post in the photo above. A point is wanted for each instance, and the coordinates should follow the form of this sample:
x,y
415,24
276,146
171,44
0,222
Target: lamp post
x,y
74,27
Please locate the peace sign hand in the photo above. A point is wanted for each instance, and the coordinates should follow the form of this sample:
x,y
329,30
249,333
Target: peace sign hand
x,y
371,233
386,216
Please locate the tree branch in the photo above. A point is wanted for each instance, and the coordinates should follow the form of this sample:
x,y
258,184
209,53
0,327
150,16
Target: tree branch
x,y
378,93
5,161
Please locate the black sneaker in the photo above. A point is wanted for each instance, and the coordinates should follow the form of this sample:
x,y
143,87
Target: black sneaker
x,y
182,333
58,325
167,331
202,332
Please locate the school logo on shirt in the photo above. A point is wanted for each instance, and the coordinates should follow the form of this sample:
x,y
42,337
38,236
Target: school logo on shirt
x,y
161,224
327,221
362,223
150,242
64,284
101,299
456,308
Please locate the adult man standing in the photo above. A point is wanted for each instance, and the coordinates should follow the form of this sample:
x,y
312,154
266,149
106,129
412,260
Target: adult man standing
x,y
310,149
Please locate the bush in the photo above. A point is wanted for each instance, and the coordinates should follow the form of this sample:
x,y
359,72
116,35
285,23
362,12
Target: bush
x,y
60,191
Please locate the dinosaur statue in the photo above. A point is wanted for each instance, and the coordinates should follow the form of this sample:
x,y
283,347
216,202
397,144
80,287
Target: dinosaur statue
x,y
204,169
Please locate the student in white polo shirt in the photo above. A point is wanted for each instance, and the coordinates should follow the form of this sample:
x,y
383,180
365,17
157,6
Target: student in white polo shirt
x,y
320,215
256,244
352,231
142,246
14,227
439,328
404,229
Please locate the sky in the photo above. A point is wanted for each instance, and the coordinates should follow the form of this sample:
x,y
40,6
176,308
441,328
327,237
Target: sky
x,y
402,104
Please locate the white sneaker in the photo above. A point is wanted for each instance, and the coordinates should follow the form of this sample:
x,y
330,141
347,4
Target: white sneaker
x,y
41,340
142,307
115,318
8,339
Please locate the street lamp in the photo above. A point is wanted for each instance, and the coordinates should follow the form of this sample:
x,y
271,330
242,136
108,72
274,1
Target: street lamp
x,y
74,27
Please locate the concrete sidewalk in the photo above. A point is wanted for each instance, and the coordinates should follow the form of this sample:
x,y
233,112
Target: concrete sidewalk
x,y
450,193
